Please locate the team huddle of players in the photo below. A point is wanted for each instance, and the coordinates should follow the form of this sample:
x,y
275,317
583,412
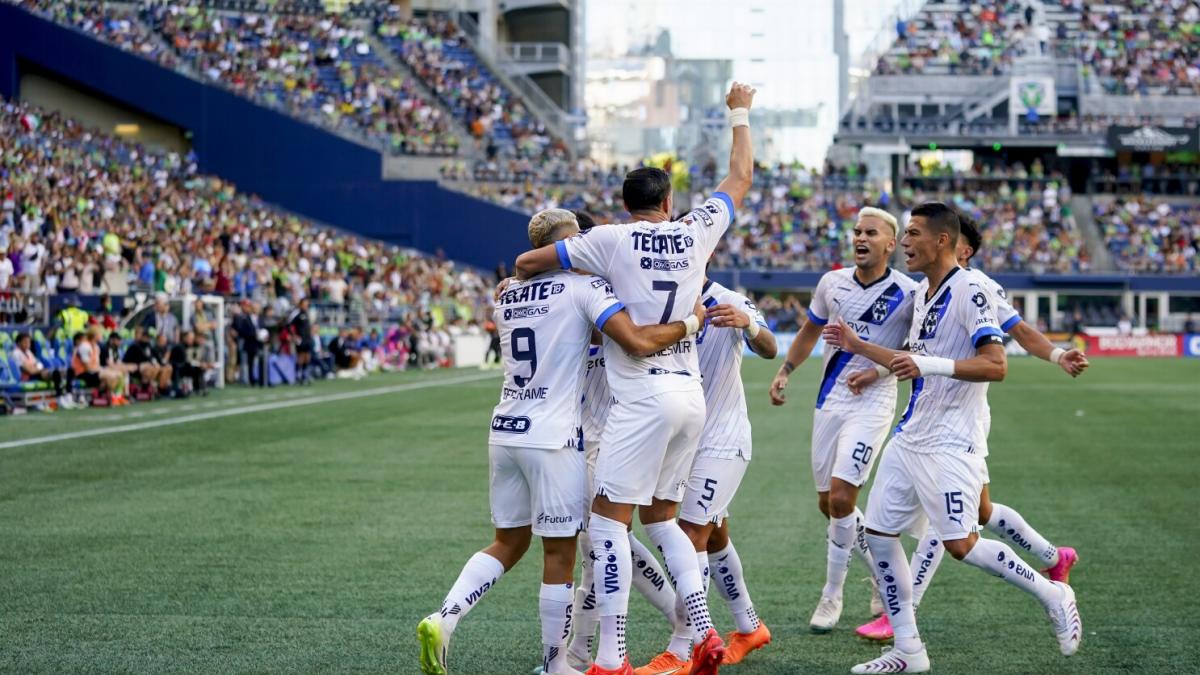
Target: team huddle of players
x,y
655,420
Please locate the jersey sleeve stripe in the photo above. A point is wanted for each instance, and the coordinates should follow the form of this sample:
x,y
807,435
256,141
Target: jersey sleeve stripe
x,y
564,258
1007,325
816,319
984,333
607,314
728,202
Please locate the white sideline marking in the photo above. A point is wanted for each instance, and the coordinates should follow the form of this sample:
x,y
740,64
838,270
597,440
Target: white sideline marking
x,y
259,407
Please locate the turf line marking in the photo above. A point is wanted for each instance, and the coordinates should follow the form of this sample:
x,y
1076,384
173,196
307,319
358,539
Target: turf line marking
x,y
260,407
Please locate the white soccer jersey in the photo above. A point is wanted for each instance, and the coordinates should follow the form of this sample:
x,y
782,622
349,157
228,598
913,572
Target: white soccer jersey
x,y
726,422
657,270
597,398
545,326
1005,313
881,313
944,414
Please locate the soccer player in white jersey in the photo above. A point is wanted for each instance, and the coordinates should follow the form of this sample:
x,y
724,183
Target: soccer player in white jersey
x,y
649,441
932,469
538,483
1002,521
649,579
849,430
721,462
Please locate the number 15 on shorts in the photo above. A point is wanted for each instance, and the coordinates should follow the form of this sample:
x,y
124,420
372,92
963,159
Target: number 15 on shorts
x,y
954,506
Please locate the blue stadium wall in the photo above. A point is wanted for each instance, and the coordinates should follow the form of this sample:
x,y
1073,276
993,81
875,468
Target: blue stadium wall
x,y
283,160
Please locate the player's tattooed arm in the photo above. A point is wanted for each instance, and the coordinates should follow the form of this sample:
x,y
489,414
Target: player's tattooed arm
x,y
647,340
1072,361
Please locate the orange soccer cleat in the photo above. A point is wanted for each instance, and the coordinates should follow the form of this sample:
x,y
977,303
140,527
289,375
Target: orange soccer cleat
x,y
708,654
738,645
665,663
625,669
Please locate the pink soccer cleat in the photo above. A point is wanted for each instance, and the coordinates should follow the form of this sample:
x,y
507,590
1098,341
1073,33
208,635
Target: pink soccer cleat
x,y
879,630
1067,557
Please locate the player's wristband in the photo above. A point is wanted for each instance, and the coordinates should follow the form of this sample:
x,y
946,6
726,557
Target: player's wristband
x,y
752,330
739,117
934,365
882,370
787,367
691,325
1057,354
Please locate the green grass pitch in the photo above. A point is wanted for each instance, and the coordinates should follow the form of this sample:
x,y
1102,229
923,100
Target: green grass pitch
x,y
314,538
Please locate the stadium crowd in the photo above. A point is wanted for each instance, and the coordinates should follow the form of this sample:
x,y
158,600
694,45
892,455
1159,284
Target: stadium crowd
x,y
1142,47
87,214
1149,235
981,39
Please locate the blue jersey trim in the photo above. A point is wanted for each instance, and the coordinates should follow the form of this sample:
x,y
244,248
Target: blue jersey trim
x,y
816,319
836,365
728,202
564,258
984,333
1007,325
607,314
917,385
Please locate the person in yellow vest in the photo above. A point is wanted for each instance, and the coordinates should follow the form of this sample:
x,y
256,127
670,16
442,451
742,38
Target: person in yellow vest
x,y
72,319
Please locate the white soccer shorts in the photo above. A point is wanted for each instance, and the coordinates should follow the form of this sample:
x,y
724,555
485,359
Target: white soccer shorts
x,y
845,445
648,447
711,487
543,488
913,489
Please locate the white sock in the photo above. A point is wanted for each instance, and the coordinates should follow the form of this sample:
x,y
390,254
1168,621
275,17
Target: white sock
x,y
584,617
925,560
726,568
554,607
895,588
480,573
861,550
651,581
680,558
681,635
997,558
613,571
840,543
1008,525
702,565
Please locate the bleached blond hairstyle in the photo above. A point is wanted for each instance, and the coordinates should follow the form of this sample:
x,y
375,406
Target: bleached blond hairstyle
x,y
546,226
882,215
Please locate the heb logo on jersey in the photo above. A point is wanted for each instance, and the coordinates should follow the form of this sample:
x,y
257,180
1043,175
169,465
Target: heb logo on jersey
x,y
512,425
525,312
661,265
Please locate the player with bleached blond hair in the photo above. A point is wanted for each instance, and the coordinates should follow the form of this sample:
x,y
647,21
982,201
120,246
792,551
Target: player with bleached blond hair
x,y
849,430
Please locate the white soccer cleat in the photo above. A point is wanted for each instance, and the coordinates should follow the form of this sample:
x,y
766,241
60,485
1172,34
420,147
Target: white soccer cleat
x,y
1065,617
876,601
435,645
895,661
826,615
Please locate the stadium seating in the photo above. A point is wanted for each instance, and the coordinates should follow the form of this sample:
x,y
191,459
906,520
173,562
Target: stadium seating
x,y
150,221
1151,235
955,37
1141,47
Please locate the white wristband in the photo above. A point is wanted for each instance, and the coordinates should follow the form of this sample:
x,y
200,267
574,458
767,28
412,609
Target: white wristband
x,y
882,370
739,117
691,325
934,365
752,330
1057,354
